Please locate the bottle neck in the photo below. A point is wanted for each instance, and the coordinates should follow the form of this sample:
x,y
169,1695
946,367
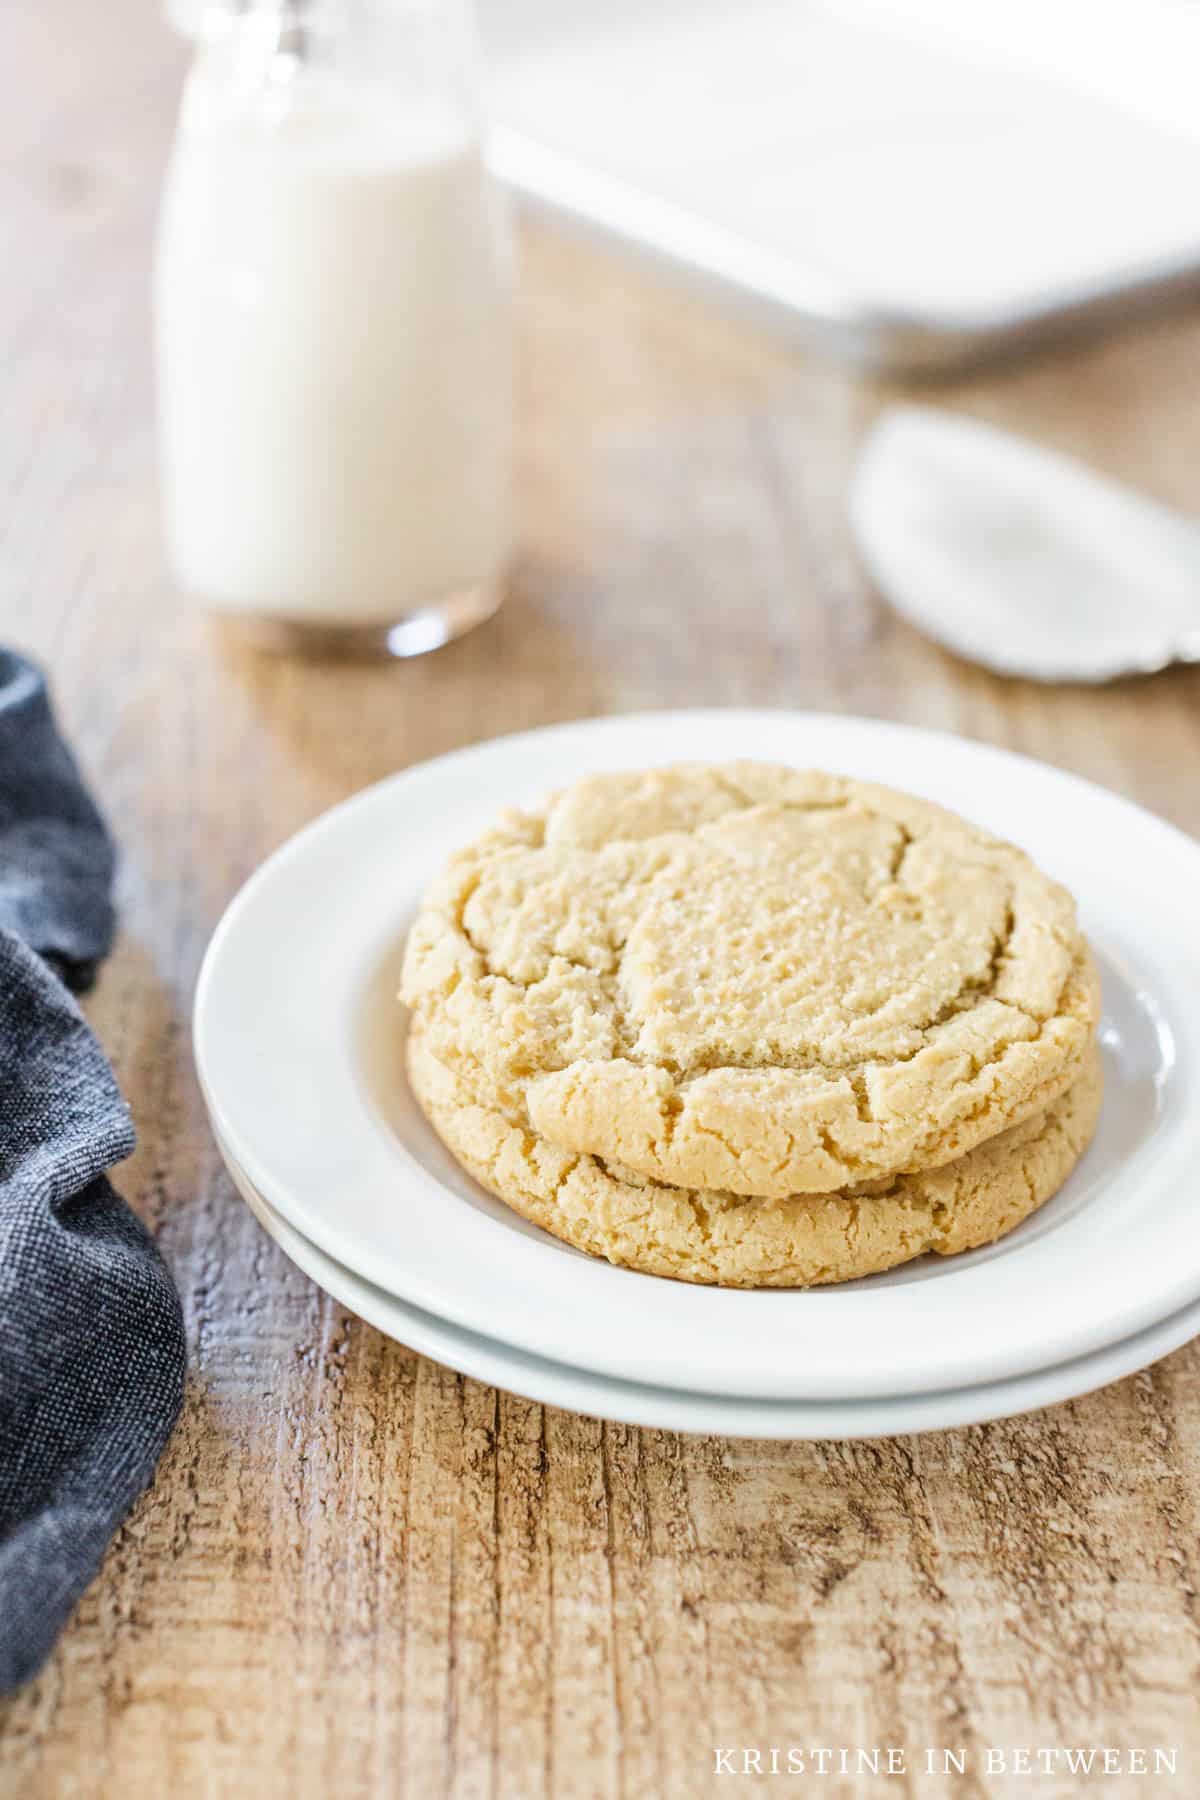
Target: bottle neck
x,y
270,60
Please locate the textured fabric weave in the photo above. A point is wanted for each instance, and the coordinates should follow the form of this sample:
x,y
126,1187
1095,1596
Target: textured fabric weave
x,y
91,1334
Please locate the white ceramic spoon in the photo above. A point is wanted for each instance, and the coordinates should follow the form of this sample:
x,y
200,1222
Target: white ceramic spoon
x,y
1020,558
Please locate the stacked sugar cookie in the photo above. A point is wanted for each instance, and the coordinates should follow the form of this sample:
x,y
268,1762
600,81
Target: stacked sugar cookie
x,y
753,1026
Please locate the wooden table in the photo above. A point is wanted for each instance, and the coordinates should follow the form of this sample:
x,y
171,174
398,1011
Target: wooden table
x,y
358,1573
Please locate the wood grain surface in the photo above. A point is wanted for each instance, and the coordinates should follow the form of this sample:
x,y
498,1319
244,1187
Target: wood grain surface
x,y
358,1573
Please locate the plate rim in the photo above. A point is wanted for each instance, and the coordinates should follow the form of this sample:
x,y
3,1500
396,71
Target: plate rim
x,y
664,1409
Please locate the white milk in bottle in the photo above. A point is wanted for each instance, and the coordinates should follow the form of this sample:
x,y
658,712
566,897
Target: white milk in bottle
x,y
334,332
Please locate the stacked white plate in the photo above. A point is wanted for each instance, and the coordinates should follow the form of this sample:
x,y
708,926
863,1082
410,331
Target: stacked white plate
x,y
299,1046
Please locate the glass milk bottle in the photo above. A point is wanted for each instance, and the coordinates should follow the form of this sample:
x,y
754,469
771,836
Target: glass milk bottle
x,y
333,306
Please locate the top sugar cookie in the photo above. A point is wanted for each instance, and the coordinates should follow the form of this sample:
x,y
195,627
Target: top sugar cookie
x,y
752,978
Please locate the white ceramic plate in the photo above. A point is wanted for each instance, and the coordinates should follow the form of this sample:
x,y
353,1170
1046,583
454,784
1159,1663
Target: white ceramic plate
x,y
297,1043
911,185
631,1403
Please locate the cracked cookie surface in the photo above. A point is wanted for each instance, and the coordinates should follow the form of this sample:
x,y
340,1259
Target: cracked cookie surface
x,y
731,1240
751,979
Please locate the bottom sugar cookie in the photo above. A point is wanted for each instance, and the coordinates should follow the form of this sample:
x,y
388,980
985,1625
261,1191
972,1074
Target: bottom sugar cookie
x,y
728,1240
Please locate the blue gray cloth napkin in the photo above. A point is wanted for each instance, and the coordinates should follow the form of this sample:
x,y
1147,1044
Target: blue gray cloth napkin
x,y
91,1333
